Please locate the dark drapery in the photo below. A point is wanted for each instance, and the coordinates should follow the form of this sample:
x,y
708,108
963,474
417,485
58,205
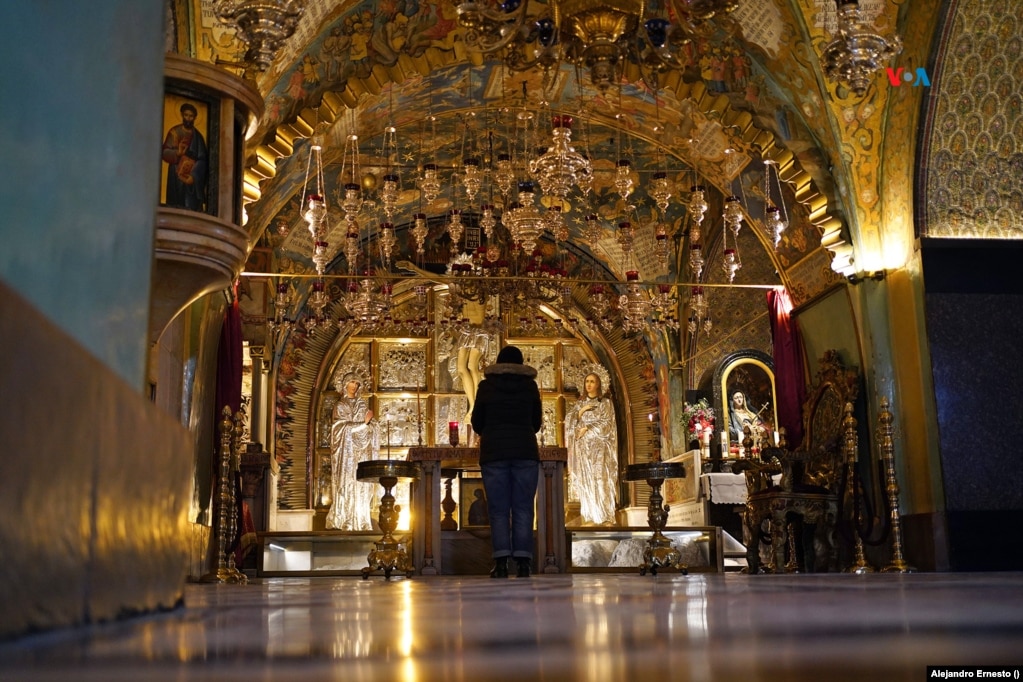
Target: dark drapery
x,y
229,393
229,361
788,365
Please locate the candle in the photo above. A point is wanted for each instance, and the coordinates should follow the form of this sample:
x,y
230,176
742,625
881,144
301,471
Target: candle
x,y
724,444
776,441
419,417
453,433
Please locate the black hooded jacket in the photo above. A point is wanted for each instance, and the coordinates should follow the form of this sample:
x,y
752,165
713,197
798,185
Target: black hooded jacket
x,y
507,413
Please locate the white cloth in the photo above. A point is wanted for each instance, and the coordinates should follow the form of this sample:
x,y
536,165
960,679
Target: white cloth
x,y
727,488
724,488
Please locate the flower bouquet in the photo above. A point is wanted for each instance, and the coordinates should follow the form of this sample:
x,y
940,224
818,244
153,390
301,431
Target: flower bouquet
x,y
699,420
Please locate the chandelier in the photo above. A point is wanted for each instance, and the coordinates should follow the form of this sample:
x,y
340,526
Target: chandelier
x,y
601,36
776,218
524,220
501,210
561,168
856,53
263,25
733,223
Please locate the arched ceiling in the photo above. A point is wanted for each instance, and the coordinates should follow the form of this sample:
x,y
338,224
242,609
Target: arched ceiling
x,y
355,66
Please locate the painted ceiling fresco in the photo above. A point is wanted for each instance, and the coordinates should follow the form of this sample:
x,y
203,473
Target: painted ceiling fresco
x,y
753,90
354,67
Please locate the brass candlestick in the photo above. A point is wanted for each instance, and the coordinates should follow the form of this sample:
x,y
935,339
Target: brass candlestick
x,y
860,565
224,505
448,504
659,551
898,563
233,481
389,553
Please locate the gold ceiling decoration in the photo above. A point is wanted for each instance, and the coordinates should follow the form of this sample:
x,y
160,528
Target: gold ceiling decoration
x,y
262,25
856,54
601,36
505,204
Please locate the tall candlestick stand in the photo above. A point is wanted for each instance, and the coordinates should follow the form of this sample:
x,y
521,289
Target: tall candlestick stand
x,y
389,553
860,565
224,505
898,563
659,551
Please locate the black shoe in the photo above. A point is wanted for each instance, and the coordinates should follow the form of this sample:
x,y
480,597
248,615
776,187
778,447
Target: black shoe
x,y
500,569
524,564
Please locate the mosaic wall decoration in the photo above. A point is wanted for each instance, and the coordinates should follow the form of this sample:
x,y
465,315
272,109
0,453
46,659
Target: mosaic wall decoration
x,y
974,171
739,316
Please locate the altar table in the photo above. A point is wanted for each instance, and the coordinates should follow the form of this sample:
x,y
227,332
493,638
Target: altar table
x,y
426,498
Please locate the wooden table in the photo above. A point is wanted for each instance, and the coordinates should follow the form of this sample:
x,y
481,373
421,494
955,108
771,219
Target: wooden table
x,y
426,497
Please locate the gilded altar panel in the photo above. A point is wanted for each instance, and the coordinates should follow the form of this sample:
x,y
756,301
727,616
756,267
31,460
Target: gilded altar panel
x,y
399,419
541,358
402,366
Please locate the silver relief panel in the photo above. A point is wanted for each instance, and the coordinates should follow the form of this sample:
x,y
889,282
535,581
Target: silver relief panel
x,y
575,365
402,366
551,428
541,358
355,360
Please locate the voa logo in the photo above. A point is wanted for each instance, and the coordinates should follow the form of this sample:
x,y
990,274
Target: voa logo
x,y
899,76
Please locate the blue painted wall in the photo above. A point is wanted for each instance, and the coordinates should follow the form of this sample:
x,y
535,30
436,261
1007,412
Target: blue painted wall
x,y
80,131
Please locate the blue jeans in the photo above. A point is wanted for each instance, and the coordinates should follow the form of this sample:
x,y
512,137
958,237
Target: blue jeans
x,y
510,485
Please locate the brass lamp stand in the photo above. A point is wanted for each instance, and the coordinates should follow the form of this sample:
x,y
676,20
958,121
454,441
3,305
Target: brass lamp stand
x,y
389,554
659,552
898,564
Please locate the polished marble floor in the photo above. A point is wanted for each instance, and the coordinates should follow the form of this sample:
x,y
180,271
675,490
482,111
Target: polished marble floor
x,y
561,627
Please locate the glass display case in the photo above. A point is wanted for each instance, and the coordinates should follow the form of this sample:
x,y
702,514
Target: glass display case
x,y
283,554
617,550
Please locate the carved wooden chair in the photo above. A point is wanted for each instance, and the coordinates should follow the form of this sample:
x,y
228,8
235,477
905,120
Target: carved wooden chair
x,y
806,500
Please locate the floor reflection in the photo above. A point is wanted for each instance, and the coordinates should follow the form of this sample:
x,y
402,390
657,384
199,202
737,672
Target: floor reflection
x,y
566,627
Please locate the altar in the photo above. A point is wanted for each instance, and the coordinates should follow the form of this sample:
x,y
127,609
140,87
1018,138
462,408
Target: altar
x,y
551,544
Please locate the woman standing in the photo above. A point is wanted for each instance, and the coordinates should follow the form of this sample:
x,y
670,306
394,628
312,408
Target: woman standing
x,y
353,439
592,440
507,415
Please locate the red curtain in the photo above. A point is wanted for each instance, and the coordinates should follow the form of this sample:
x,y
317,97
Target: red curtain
x,y
229,362
229,392
788,365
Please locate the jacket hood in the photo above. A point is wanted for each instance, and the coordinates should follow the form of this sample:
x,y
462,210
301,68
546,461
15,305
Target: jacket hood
x,y
510,368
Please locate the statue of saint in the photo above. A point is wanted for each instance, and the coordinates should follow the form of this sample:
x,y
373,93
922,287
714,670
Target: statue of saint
x,y
592,439
741,418
353,438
